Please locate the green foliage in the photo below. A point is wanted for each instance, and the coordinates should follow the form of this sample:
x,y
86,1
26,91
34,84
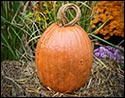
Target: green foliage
x,y
10,35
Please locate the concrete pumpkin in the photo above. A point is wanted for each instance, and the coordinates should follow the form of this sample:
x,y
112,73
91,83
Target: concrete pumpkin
x,y
64,55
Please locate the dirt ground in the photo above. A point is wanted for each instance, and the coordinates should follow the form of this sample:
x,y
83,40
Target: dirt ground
x,y
19,79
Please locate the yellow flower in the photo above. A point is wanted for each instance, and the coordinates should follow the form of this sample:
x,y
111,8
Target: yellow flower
x,y
45,12
38,16
36,7
45,4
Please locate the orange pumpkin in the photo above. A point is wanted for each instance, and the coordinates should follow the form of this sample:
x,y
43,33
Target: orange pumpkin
x,y
64,57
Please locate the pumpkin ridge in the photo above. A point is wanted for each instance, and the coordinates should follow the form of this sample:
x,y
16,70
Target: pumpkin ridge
x,y
65,37
43,38
47,33
86,39
60,73
83,34
48,29
71,44
78,37
56,36
53,33
87,45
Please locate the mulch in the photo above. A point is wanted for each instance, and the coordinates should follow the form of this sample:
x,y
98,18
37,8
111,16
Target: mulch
x,y
20,79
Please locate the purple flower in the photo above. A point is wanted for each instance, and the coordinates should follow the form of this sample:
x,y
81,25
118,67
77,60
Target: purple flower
x,y
110,52
97,54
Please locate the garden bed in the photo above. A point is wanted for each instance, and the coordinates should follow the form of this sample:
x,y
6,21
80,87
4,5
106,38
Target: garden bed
x,y
19,79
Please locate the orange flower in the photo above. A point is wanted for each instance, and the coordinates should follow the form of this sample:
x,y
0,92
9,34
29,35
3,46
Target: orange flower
x,y
107,37
109,10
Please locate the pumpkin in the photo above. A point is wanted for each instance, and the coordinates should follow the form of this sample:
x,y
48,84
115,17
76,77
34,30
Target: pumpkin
x,y
64,54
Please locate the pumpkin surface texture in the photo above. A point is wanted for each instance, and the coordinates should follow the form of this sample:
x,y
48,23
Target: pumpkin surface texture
x,y
64,55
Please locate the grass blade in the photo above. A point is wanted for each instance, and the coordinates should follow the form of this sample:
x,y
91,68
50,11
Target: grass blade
x,y
16,34
14,25
8,46
105,41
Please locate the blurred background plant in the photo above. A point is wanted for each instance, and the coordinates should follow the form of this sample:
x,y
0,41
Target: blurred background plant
x,y
107,25
111,14
23,22
10,32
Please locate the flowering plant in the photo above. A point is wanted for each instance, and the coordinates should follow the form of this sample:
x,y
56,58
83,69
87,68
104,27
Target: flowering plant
x,y
109,52
111,15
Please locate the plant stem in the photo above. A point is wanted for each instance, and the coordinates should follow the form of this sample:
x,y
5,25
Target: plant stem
x,y
115,46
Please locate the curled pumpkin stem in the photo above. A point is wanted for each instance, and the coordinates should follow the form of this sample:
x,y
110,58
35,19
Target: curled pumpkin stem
x,y
63,21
